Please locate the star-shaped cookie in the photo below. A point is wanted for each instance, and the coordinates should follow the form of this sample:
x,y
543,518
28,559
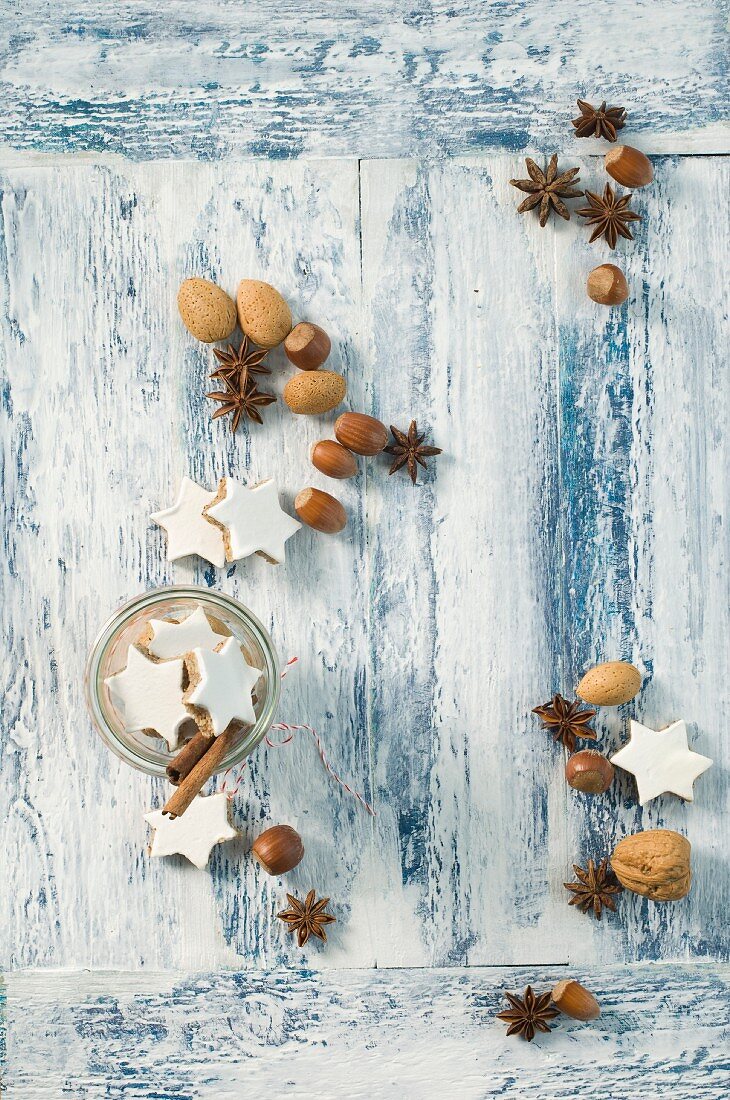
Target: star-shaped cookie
x,y
661,761
223,685
188,531
170,639
195,833
254,521
149,696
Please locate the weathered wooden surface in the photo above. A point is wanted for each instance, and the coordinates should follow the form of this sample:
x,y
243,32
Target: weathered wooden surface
x,y
104,394
577,517
579,512
416,1034
388,78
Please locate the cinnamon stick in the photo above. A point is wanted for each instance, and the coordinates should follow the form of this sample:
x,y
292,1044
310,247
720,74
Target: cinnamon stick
x,y
196,779
182,764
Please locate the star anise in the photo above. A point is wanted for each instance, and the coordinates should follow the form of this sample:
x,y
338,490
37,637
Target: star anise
x,y
566,721
307,918
242,361
545,189
594,888
609,215
409,449
603,122
240,398
528,1014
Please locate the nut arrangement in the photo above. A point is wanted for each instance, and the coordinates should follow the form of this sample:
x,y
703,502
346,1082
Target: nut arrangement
x,y
607,215
266,321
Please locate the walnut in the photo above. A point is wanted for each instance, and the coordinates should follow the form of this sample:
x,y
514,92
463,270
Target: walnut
x,y
654,863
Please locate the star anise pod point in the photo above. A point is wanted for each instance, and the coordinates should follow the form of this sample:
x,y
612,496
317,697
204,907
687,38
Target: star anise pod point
x,y
609,215
594,889
528,1014
566,720
599,122
240,398
307,918
235,362
409,449
547,189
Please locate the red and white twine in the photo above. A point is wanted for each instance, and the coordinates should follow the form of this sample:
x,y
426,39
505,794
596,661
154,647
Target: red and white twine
x,y
290,730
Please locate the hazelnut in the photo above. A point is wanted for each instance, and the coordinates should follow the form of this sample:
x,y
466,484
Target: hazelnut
x,y
279,849
320,511
333,459
654,863
574,1000
589,771
607,285
307,346
628,166
360,433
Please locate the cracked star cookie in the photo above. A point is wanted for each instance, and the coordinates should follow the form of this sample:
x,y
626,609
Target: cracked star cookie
x,y
221,686
188,531
194,834
149,696
251,520
167,638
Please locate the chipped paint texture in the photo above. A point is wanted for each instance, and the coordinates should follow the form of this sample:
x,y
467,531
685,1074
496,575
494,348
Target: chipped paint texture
x,y
372,78
578,514
363,1034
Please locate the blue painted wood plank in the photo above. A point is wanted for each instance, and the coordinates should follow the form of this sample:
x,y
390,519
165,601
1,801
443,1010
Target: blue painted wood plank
x,y
551,536
411,1033
388,79
644,460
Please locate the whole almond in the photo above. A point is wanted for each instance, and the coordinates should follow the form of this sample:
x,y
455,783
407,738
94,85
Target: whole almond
x,y
314,392
574,1000
263,314
609,684
333,459
207,312
360,433
607,285
307,346
320,511
628,166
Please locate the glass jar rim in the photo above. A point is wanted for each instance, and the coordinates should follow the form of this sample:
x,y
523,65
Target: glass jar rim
x,y
163,594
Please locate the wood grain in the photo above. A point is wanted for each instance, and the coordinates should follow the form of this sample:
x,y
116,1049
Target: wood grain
x,y
413,1033
104,412
579,515
390,78
579,511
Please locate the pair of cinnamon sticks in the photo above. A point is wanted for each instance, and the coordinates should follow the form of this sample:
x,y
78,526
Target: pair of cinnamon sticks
x,y
193,766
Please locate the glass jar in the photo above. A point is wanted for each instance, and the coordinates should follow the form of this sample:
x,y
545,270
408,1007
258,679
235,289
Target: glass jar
x,y
109,656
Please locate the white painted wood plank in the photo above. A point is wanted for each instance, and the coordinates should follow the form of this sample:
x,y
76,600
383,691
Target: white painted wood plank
x,y
644,429
464,569
104,410
413,1033
529,565
390,78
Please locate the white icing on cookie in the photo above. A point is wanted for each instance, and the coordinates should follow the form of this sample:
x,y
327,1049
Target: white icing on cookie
x,y
195,833
662,761
177,639
225,685
150,696
188,531
254,519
